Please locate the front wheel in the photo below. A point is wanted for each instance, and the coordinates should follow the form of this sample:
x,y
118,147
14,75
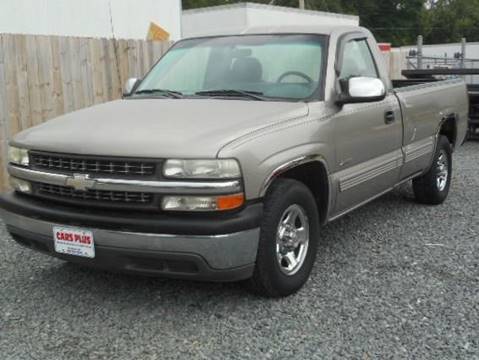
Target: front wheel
x,y
433,187
288,240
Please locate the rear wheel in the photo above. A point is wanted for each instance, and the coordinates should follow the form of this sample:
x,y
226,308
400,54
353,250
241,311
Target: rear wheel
x,y
288,240
433,187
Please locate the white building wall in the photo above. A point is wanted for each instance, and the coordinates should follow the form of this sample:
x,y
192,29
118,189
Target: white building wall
x,y
233,19
208,21
278,16
90,18
397,63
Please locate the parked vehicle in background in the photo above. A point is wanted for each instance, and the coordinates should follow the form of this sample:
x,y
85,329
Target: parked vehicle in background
x,y
224,162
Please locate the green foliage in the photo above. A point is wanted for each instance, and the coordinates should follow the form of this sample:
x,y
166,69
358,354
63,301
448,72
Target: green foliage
x,y
395,21
450,20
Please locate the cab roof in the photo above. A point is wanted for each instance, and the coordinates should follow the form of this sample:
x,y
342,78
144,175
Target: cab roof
x,y
293,29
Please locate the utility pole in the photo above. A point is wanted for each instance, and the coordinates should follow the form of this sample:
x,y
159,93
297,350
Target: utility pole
x,y
301,4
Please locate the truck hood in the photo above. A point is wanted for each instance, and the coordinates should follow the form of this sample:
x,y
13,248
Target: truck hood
x,y
157,127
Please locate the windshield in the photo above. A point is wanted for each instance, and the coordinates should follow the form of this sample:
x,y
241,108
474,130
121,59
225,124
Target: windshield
x,y
254,66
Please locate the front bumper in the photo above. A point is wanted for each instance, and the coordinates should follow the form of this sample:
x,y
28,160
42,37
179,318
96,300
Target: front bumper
x,y
148,247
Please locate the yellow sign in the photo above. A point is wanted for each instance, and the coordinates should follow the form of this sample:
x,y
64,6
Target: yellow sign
x,y
156,32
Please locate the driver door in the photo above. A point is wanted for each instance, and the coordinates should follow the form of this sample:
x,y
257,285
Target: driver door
x,y
367,135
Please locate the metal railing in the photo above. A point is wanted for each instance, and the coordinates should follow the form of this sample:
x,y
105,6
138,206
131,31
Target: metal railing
x,y
416,60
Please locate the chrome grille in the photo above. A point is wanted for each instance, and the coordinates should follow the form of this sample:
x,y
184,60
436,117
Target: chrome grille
x,y
94,195
91,165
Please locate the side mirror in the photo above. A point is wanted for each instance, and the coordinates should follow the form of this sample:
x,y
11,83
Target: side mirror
x,y
130,86
360,90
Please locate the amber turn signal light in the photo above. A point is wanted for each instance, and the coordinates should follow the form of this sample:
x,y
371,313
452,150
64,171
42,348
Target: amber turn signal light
x,y
229,202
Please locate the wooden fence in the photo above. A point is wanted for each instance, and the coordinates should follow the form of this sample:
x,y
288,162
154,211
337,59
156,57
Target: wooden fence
x,y
45,76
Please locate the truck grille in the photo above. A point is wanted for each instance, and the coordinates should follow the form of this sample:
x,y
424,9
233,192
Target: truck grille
x,y
65,163
119,197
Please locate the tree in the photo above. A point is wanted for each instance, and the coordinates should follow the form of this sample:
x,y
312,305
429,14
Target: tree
x,y
395,21
450,20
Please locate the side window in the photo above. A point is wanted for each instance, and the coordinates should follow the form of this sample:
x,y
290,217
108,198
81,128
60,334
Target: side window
x,y
358,60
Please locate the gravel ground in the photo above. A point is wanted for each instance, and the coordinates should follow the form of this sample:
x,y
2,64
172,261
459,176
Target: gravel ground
x,y
392,280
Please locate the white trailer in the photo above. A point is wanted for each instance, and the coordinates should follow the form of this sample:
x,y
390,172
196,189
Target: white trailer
x,y
233,19
125,19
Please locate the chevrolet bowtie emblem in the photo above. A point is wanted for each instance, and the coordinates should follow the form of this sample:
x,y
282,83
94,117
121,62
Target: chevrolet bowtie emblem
x,y
80,182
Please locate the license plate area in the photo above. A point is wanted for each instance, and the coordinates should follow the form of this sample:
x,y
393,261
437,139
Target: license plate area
x,y
74,241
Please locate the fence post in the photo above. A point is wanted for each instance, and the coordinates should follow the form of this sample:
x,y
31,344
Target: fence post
x,y
463,52
419,51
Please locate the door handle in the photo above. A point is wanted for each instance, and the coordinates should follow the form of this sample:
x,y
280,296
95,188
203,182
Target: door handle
x,y
389,117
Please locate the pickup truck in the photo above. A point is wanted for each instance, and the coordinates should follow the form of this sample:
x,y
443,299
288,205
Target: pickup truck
x,y
225,161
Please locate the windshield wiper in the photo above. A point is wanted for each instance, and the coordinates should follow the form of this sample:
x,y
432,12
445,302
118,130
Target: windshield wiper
x,y
169,93
256,95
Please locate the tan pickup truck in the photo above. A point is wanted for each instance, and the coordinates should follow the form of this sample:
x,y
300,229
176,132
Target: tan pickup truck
x,y
227,158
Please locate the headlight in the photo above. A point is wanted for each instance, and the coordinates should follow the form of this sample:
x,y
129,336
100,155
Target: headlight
x,y
202,203
202,169
18,156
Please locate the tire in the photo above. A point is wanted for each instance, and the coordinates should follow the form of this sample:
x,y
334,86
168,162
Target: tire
x,y
274,274
432,188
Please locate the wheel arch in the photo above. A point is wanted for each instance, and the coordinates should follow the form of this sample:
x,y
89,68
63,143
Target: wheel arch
x,y
312,171
448,128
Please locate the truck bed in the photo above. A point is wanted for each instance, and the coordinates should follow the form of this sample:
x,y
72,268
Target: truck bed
x,y
434,99
417,77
